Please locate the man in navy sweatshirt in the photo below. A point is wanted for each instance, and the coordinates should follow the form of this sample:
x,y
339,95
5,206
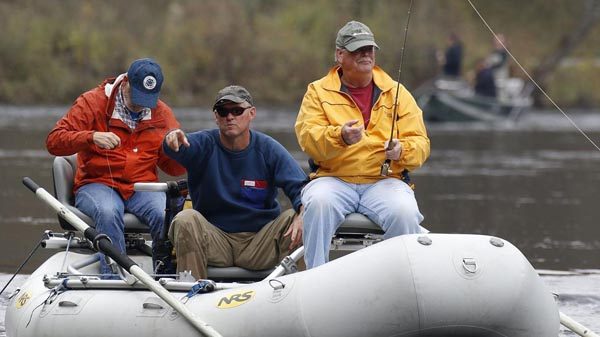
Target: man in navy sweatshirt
x,y
233,177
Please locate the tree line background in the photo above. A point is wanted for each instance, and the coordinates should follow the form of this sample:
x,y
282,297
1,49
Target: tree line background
x,y
53,50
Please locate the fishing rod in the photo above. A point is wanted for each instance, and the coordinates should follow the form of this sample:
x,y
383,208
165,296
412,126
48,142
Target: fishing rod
x,y
565,320
385,167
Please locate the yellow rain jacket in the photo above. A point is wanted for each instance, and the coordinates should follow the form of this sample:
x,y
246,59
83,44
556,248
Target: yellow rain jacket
x,y
325,109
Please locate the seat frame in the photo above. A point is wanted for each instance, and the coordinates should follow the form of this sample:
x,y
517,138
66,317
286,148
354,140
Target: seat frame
x,y
356,232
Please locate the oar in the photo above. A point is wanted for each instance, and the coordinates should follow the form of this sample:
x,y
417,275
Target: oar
x,y
576,327
287,261
102,243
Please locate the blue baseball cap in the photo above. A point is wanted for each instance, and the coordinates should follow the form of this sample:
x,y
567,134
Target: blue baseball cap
x,y
145,79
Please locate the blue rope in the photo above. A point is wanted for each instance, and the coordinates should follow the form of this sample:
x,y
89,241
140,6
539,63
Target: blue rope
x,y
201,287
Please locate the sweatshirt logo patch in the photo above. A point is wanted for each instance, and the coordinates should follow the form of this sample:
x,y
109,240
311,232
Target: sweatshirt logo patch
x,y
254,183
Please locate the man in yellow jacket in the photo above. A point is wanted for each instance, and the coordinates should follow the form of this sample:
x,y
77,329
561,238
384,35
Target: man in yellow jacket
x,y
344,125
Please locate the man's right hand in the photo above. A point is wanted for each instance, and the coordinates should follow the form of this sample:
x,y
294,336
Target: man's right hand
x,y
352,135
175,139
106,140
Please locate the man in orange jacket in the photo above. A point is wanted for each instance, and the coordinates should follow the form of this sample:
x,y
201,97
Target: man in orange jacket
x,y
117,130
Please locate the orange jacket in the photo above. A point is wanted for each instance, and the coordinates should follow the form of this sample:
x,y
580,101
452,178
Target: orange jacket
x,y
135,160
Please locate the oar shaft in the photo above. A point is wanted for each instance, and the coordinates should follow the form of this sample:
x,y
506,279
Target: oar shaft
x,y
576,327
280,270
150,187
103,244
61,209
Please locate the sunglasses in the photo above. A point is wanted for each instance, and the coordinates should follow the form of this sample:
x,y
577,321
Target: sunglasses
x,y
236,111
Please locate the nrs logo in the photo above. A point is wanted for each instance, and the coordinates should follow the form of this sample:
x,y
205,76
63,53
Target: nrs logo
x,y
22,300
235,300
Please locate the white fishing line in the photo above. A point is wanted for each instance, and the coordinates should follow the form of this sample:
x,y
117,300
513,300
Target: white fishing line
x,y
532,80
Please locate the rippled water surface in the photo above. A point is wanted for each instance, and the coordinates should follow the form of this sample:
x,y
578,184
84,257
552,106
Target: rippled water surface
x,y
533,182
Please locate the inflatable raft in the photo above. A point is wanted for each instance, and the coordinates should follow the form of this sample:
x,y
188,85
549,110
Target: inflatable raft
x,y
413,285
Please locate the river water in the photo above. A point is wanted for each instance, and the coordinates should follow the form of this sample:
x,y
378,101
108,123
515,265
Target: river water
x,y
533,182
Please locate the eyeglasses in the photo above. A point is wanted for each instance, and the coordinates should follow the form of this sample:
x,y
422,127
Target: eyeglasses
x,y
236,111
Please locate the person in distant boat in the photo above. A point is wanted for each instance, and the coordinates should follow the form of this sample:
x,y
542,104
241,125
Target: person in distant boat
x,y
452,60
117,129
498,58
343,125
234,174
485,84
497,62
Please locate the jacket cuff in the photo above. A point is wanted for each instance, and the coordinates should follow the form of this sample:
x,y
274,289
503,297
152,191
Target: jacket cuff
x,y
89,138
338,139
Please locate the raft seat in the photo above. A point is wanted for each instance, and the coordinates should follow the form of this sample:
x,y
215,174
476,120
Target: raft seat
x,y
356,232
357,223
237,274
63,173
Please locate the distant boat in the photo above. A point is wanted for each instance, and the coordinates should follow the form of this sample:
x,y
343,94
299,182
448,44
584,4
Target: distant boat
x,y
453,100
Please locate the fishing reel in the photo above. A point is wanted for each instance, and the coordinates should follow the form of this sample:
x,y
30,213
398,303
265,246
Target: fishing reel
x,y
385,168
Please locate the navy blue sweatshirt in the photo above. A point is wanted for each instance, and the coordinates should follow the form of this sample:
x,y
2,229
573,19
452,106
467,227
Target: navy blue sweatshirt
x,y
237,190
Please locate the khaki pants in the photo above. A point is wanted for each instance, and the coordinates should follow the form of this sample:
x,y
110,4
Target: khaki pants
x,y
198,244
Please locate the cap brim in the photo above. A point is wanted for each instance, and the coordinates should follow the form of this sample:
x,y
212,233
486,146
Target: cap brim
x,y
143,99
353,46
228,98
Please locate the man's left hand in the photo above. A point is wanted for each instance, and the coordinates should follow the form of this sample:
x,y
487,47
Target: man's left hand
x,y
395,151
295,230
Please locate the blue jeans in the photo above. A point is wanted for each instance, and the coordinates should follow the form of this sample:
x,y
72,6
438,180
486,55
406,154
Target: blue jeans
x,y
390,203
106,207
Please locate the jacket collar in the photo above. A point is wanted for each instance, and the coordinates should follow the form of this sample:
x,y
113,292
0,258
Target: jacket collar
x,y
382,80
110,88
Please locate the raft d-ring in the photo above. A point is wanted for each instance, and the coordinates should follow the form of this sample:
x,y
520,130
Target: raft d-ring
x,y
497,242
278,284
14,293
470,265
424,240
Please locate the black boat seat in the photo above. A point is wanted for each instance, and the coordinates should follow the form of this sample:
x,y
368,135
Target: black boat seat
x,y
63,173
237,274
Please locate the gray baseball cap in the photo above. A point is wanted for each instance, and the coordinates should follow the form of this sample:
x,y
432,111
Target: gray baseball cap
x,y
355,35
233,93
